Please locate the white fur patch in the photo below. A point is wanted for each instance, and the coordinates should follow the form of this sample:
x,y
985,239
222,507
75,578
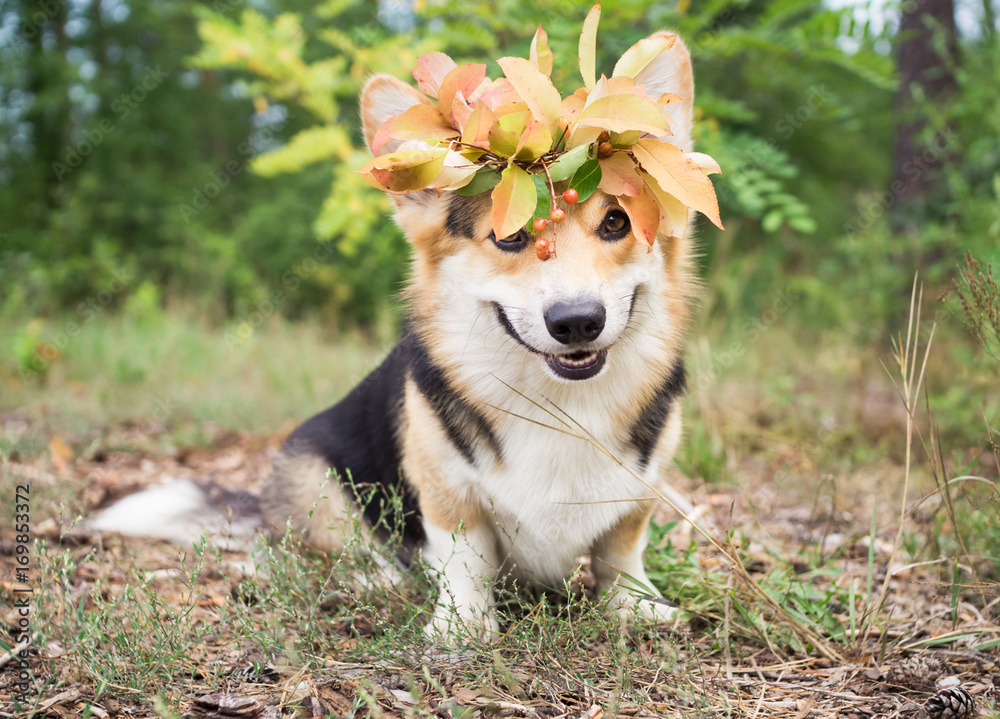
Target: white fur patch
x,y
179,512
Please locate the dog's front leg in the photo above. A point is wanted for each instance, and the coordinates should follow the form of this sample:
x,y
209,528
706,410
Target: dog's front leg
x,y
466,562
618,568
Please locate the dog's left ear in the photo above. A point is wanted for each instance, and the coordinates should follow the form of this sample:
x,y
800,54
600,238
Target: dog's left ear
x,y
382,97
670,71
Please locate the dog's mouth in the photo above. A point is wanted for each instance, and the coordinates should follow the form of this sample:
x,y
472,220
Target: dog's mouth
x,y
582,364
577,365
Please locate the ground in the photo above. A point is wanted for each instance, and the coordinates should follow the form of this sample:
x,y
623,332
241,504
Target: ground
x,y
800,467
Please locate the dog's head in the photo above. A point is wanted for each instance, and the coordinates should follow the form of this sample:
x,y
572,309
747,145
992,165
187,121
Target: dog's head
x,y
605,298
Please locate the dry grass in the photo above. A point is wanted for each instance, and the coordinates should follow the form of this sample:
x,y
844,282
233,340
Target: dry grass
x,y
852,570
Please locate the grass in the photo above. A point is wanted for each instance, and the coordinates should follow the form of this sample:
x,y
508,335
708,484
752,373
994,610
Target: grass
x,y
816,563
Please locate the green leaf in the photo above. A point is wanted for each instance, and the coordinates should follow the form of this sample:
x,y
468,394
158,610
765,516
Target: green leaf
x,y
483,181
544,202
586,179
800,223
567,164
772,220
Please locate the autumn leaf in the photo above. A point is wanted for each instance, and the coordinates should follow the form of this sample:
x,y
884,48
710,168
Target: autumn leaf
x,y
535,141
432,68
420,122
513,201
619,175
477,129
644,214
457,87
679,176
588,47
621,113
505,134
707,164
673,212
534,88
541,53
401,172
637,57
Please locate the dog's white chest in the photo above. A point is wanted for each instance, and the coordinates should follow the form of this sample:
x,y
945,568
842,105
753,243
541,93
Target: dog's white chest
x,y
553,498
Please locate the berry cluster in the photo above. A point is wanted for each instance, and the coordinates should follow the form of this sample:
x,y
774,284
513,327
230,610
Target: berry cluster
x,y
546,247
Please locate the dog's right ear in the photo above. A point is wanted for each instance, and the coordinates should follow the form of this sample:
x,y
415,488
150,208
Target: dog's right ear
x,y
382,97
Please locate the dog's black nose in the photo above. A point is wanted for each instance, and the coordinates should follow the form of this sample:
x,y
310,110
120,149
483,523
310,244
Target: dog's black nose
x,y
575,322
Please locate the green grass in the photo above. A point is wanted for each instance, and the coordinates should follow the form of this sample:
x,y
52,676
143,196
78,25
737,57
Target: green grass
x,y
791,426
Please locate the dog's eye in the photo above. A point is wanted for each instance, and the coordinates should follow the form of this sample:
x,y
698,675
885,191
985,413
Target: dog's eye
x,y
615,225
515,243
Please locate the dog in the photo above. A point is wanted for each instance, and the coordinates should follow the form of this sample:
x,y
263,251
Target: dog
x,y
529,407
528,414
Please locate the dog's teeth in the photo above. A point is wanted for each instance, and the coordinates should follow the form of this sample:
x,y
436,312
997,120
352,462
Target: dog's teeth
x,y
577,361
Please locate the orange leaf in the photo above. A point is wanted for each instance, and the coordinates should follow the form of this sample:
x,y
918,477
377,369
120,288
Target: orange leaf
x,y
644,214
641,54
707,163
679,176
456,88
588,47
477,129
619,175
620,113
541,53
513,201
400,172
673,212
422,122
535,141
432,67
534,88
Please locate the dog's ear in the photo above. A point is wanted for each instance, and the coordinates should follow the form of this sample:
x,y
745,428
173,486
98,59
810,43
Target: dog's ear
x,y
670,71
382,97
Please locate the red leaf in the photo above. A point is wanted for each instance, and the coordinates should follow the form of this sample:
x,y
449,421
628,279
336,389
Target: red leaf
x,y
644,214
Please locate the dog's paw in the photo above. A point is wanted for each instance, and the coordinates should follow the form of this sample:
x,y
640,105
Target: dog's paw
x,y
627,604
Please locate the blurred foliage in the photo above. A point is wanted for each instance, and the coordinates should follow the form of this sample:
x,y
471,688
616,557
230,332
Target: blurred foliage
x,y
204,153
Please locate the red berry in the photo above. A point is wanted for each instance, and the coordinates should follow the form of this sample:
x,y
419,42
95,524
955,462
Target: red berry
x,y
539,225
557,215
541,245
571,196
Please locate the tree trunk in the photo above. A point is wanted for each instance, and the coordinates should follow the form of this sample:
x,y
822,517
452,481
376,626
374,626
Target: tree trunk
x,y
926,54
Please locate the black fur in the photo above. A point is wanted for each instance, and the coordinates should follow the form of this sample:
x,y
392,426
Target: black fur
x,y
467,428
652,419
462,215
359,437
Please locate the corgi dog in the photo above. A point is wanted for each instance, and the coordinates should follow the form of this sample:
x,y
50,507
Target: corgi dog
x,y
530,406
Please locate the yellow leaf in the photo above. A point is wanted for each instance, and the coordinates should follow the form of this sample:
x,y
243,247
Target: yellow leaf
x,y
477,129
678,175
535,141
588,47
505,134
457,87
514,201
534,88
421,122
401,172
541,53
673,212
707,163
621,113
641,54
619,175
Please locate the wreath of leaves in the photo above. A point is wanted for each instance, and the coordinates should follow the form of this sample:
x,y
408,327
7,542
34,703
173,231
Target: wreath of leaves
x,y
516,137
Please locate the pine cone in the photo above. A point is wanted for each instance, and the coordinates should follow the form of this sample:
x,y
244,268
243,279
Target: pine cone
x,y
951,703
919,670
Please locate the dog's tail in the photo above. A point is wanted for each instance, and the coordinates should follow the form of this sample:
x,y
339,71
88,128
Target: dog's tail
x,y
182,511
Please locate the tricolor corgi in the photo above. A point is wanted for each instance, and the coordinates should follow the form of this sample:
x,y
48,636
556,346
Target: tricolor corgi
x,y
530,405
